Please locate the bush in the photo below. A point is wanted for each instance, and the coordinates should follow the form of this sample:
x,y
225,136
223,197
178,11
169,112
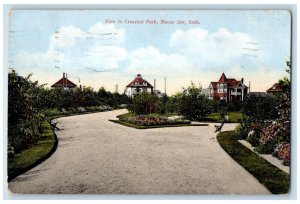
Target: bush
x,y
51,112
242,131
253,137
260,108
144,103
152,120
193,104
267,148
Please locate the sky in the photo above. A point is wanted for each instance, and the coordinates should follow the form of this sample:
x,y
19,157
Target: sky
x,y
104,48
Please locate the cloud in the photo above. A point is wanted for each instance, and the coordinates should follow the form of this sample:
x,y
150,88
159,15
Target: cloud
x,y
216,48
192,55
65,37
107,31
153,62
106,57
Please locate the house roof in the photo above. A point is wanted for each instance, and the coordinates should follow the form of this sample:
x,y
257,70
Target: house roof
x,y
214,84
64,82
223,78
139,81
275,88
229,81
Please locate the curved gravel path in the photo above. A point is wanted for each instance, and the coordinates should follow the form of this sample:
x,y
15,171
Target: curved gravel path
x,y
95,156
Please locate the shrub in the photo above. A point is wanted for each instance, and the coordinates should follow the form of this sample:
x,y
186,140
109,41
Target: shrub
x,y
193,104
284,153
242,131
144,103
152,120
267,148
51,112
253,137
260,108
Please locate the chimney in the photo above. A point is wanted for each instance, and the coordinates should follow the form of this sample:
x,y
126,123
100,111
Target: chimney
x,y
138,76
63,75
154,83
249,86
242,80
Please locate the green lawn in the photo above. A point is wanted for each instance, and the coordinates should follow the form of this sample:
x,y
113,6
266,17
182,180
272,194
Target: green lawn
x,y
234,117
29,158
276,180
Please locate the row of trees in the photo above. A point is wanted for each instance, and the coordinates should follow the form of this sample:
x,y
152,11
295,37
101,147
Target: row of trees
x,y
28,100
191,103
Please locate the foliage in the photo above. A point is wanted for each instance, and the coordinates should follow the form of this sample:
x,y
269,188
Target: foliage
x,y
29,103
260,108
276,180
24,120
155,126
144,120
269,118
144,103
193,104
32,156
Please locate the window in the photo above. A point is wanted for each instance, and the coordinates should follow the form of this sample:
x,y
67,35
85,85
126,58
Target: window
x,y
221,90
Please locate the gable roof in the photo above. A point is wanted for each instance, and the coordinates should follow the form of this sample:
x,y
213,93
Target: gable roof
x,y
64,82
231,83
223,78
214,84
139,81
275,88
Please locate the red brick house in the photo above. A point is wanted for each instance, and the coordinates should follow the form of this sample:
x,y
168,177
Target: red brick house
x,y
228,89
276,88
138,85
64,82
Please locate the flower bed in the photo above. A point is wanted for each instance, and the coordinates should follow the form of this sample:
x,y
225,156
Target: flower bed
x,y
144,120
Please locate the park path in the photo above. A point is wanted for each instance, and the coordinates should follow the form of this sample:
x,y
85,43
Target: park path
x,y
95,156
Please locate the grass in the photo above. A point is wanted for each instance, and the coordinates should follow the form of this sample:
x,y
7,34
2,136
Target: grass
x,y
234,117
276,180
156,126
125,116
33,156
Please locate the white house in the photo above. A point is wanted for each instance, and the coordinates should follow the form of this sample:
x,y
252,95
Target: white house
x,y
138,85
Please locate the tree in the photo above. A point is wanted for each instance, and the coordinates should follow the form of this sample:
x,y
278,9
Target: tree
x,y
24,121
193,104
144,103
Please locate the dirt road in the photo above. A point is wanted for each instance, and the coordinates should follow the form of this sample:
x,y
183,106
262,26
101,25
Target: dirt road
x,y
95,156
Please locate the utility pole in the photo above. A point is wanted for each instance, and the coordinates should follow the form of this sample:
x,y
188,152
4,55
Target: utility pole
x,y
165,85
249,86
116,89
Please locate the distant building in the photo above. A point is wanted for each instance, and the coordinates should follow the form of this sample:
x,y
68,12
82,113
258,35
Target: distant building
x,y
263,94
159,93
228,89
137,86
276,88
64,82
205,92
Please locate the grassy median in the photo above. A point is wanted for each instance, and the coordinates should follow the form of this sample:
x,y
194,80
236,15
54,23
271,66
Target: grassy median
x,y
153,126
276,180
34,155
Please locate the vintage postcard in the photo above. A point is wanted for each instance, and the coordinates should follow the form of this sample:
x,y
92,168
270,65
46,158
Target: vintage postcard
x,y
156,102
